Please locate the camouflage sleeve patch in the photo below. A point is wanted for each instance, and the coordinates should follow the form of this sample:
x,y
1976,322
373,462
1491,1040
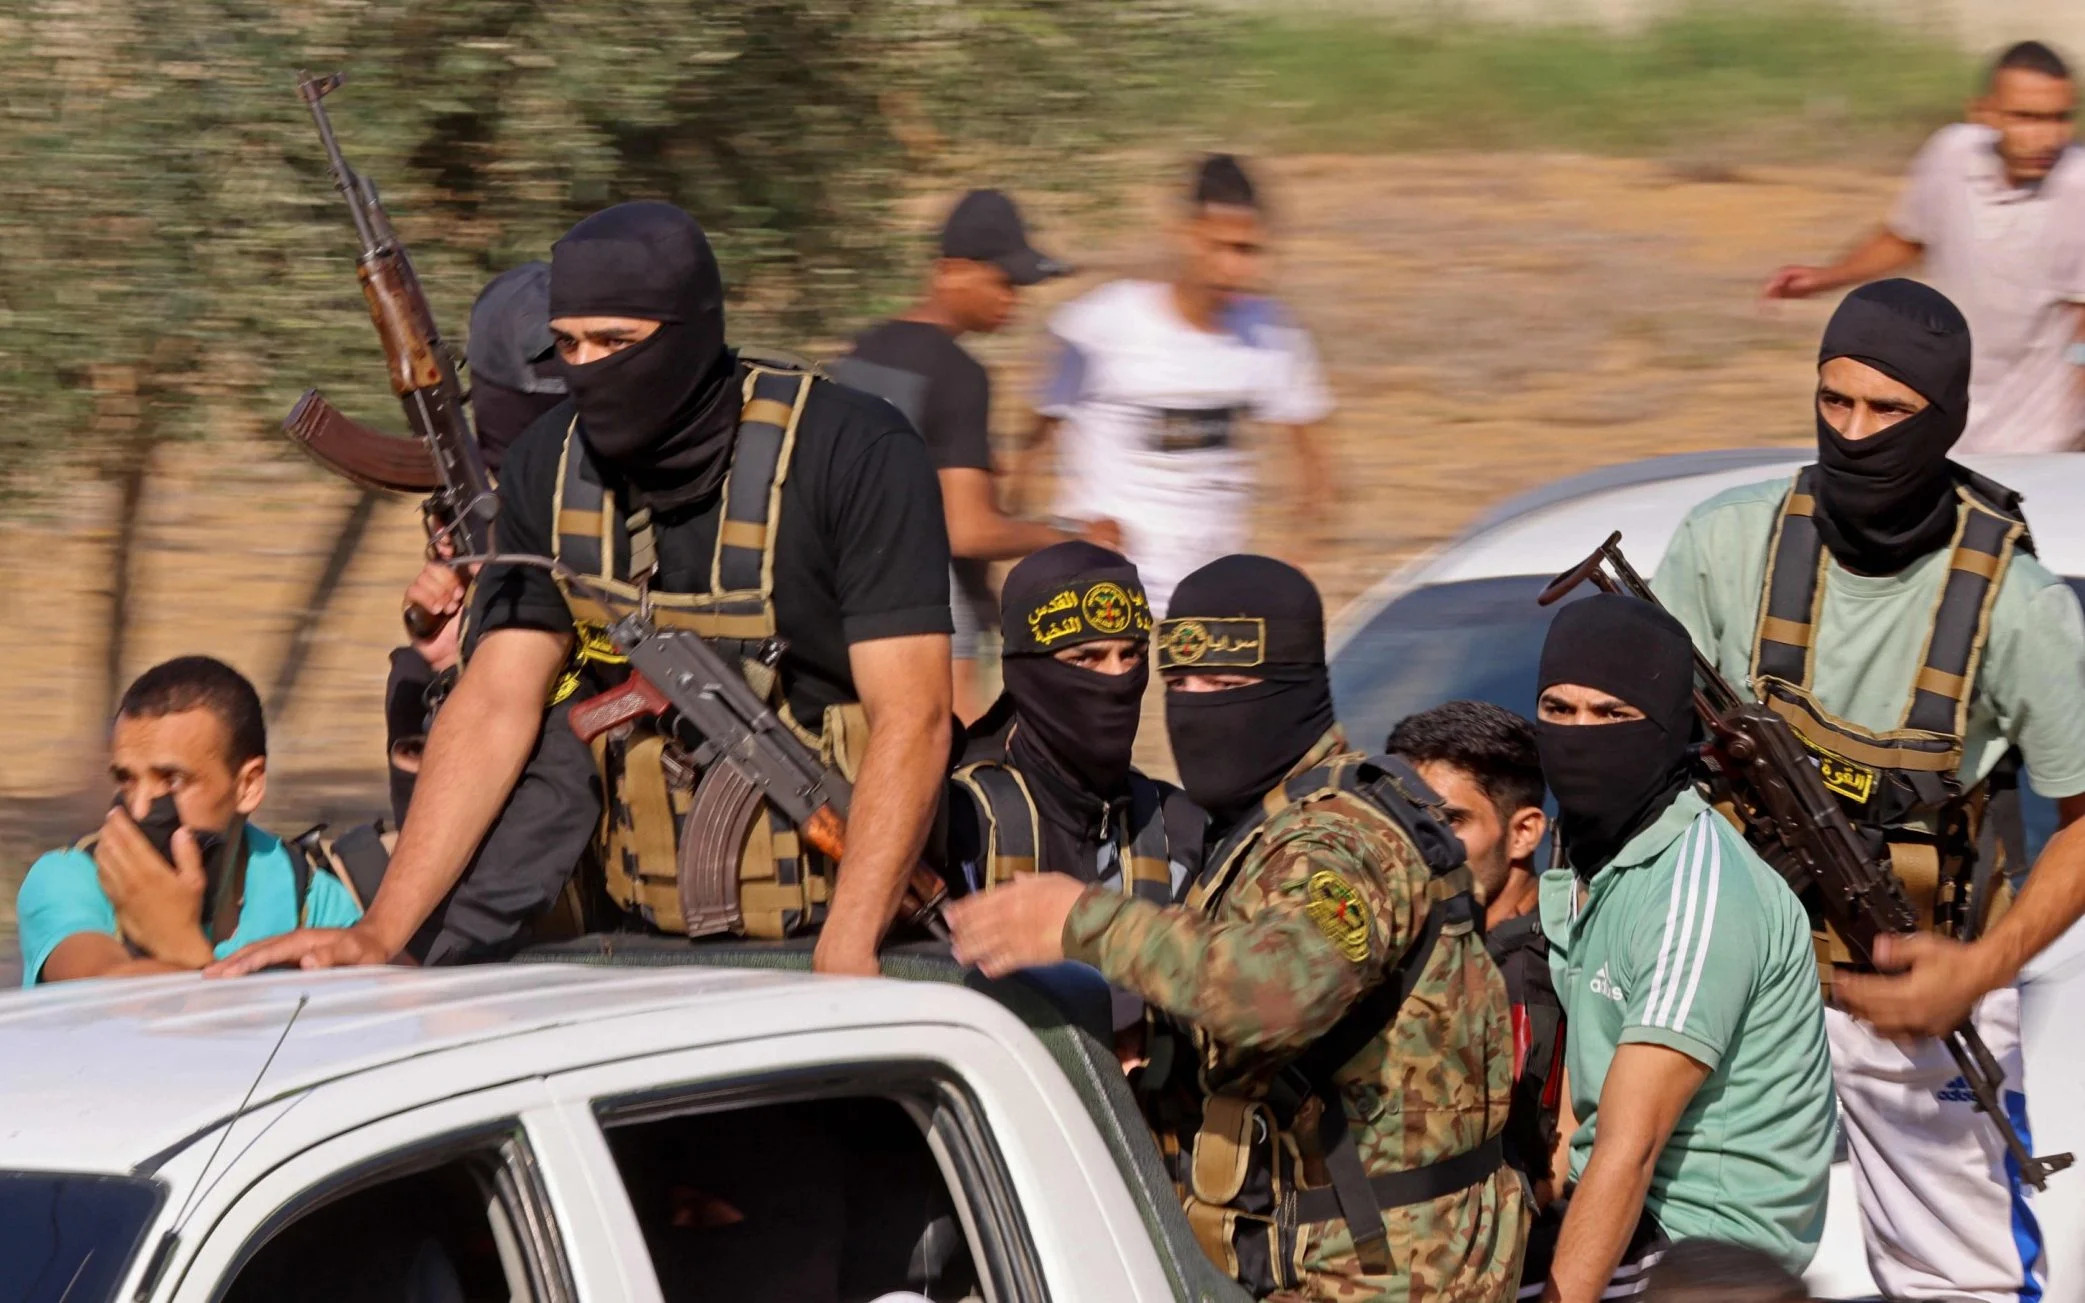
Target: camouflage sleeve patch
x,y
1339,914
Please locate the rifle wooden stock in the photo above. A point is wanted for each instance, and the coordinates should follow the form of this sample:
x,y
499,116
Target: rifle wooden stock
x,y
925,892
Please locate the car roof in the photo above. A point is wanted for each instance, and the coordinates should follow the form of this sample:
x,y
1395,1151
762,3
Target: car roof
x,y
102,1075
1554,527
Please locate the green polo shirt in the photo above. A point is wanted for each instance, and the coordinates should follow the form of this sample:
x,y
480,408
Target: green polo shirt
x,y
1871,637
1688,940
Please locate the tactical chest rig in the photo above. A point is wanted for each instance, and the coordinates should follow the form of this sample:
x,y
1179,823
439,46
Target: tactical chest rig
x,y
1270,1158
1157,821
660,815
1902,788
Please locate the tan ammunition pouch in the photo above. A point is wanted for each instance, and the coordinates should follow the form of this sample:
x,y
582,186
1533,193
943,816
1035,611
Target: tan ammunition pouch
x,y
690,851
1013,837
1901,786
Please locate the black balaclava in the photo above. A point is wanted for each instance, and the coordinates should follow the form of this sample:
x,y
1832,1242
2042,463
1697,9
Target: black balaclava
x,y
509,350
1074,728
1612,780
661,412
1244,615
1887,500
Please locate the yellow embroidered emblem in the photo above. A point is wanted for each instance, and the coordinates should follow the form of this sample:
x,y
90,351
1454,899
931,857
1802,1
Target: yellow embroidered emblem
x,y
1106,608
1184,641
1339,914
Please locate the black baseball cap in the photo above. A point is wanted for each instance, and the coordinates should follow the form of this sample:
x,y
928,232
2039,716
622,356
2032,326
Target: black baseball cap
x,y
985,226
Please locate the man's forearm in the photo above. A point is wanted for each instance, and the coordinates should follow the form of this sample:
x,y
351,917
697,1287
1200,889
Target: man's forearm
x,y
997,537
474,754
2052,900
1604,1211
1880,254
902,773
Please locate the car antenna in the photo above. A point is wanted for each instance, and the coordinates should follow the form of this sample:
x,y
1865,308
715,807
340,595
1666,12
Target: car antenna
x,y
164,1251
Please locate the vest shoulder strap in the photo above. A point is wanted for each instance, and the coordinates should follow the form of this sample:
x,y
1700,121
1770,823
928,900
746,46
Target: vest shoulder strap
x,y
1148,857
1385,785
1012,823
1988,530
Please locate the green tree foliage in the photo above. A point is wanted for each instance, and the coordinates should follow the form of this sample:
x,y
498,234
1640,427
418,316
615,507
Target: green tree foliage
x,y
173,260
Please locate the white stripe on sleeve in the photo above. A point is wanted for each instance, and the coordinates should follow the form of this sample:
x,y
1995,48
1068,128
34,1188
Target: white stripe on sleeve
x,y
1672,919
1708,927
1686,890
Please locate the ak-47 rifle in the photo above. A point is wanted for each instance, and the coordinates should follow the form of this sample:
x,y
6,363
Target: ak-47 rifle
x,y
1758,763
442,456
743,750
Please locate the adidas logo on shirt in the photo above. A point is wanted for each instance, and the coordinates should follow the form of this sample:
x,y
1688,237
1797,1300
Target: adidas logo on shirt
x,y
1604,985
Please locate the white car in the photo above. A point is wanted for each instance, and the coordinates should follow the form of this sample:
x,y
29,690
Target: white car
x,y
1462,622
558,1132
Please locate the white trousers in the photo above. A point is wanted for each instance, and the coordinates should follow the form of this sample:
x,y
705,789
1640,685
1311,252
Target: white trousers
x,y
1944,1211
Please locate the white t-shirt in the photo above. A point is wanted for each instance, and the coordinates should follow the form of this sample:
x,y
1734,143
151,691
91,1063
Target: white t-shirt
x,y
2013,259
1154,410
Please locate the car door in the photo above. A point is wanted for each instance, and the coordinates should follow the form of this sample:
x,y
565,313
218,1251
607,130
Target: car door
x,y
451,1202
932,1161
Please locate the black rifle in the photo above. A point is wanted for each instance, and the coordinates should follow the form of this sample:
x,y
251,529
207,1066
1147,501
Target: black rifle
x,y
705,704
1762,768
442,455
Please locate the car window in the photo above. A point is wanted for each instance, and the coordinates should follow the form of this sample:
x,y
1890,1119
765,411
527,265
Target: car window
x,y
1481,639
837,1199
70,1237
446,1230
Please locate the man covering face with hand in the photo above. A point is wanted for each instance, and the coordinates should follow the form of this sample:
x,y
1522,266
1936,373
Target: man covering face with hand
x,y
1334,1021
1696,1059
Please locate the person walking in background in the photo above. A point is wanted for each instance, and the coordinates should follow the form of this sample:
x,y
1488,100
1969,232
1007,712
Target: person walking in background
x,y
1996,207
1153,382
914,361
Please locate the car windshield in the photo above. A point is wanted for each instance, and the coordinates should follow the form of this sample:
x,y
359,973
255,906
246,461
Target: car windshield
x,y
1480,639
70,1238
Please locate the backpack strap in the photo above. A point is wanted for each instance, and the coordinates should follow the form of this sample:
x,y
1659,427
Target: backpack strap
x,y
306,848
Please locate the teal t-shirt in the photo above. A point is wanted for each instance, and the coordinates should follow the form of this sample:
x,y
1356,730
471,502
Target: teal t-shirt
x,y
1688,940
2030,685
62,897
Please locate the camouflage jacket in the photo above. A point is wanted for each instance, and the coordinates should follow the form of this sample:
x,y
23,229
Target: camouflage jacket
x,y
1330,895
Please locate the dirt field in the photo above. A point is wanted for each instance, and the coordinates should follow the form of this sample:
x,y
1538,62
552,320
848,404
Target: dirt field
x,y
1490,323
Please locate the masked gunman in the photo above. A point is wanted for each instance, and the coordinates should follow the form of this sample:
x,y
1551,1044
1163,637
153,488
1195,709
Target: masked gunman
x,y
794,523
176,875
1887,604
1046,783
1696,1058
1340,1029
542,832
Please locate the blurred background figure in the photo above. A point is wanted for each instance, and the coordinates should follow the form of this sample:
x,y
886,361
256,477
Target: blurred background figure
x,y
915,361
1996,208
1154,382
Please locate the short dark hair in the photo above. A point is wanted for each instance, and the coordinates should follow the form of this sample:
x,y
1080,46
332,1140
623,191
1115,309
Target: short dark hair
x,y
1707,1271
1491,744
201,683
2030,56
1221,179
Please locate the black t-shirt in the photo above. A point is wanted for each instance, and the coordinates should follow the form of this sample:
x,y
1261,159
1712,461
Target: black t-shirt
x,y
862,553
955,407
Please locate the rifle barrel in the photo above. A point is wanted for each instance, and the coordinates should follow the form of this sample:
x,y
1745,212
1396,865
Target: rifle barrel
x,y
313,90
